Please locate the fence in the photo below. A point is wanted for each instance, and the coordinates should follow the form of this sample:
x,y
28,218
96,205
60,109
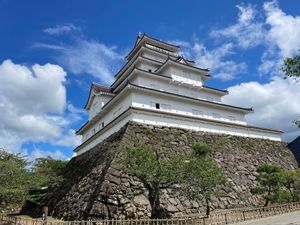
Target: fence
x,y
226,217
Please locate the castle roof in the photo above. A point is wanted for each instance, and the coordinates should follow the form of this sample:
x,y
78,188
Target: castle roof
x,y
143,39
97,89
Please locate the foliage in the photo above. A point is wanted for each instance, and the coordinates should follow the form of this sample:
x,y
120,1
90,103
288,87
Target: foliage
x,y
14,178
292,184
153,170
271,179
18,178
49,170
291,67
200,175
297,122
201,149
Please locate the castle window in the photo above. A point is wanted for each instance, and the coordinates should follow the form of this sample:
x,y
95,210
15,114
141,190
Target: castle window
x,y
115,114
197,112
94,131
166,107
155,105
231,118
216,115
209,98
102,124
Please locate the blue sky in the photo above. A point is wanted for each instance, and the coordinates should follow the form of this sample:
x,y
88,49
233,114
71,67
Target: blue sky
x,y
51,51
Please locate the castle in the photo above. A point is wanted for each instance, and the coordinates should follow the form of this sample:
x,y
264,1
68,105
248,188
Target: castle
x,y
158,87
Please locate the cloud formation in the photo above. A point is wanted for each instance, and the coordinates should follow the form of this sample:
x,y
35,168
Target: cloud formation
x,y
275,104
33,105
87,57
270,28
284,29
247,32
277,35
61,29
217,59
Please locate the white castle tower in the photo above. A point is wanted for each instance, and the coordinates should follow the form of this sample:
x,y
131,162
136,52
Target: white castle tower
x,y
158,87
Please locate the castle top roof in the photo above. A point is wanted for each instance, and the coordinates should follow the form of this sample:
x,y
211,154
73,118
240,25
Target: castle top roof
x,y
143,39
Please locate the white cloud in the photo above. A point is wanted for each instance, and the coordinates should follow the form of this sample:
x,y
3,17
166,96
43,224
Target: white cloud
x,y
282,38
88,57
61,29
215,59
276,104
270,28
284,29
247,32
32,105
68,139
38,153
39,82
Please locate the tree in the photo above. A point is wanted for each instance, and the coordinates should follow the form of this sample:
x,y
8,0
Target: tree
x,y
297,122
292,184
15,179
154,171
271,179
19,177
201,175
291,69
49,170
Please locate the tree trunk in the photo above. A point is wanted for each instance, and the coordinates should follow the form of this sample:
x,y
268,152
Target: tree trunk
x,y
292,194
154,201
267,202
207,207
268,196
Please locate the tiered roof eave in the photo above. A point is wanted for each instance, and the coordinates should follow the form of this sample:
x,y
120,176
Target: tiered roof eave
x,y
131,86
141,39
97,89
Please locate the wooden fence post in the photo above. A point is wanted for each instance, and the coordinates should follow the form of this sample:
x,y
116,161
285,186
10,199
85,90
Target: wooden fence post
x,y
45,215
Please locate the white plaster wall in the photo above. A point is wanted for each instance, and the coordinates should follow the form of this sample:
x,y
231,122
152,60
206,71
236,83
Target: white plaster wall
x,y
201,126
185,107
179,123
119,107
116,127
184,76
98,102
147,66
164,85
140,100
154,55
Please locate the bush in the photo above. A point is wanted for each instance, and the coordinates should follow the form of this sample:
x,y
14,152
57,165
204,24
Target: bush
x,y
201,149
